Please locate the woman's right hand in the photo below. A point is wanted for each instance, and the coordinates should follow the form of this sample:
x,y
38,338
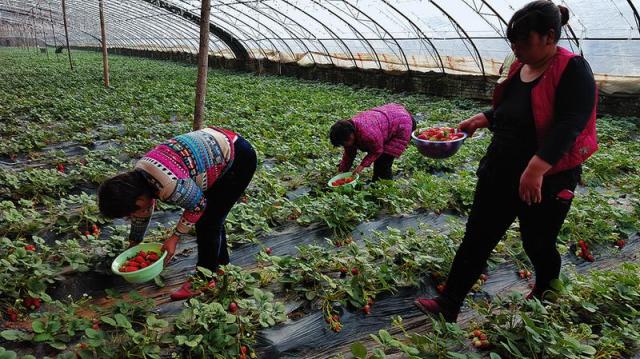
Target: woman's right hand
x,y
471,124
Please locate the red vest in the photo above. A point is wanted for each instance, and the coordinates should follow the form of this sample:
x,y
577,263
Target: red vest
x,y
543,100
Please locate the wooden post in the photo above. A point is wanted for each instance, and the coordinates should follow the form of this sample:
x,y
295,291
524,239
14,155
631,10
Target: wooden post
x,y
44,34
53,31
105,55
66,31
203,64
35,34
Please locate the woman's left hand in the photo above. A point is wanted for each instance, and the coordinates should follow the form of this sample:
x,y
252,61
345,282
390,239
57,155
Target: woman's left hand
x,y
358,170
170,247
531,180
530,187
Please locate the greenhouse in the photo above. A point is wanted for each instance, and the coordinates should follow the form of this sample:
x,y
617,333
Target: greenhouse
x,y
319,179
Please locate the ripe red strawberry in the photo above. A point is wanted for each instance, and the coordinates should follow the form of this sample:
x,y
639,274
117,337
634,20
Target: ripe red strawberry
x,y
131,269
244,349
95,327
242,356
153,257
211,284
60,167
139,259
12,314
268,251
477,333
590,258
482,336
30,247
141,254
220,272
483,277
620,243
82,346
366,309
32,303
144,265
87,234
354,271
440,288
233,307
522,273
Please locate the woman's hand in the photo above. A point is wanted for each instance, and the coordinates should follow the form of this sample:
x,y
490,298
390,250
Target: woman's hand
x,y
531,180
471,124
170,247
357,170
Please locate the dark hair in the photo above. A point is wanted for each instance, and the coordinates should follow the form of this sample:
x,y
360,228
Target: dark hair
x,y
340,132
539,16
117,196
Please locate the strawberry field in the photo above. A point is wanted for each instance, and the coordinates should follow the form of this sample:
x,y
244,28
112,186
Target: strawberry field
x,y
315,272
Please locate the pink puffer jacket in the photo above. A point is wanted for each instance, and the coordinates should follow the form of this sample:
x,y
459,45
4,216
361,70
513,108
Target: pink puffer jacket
x,y
385,129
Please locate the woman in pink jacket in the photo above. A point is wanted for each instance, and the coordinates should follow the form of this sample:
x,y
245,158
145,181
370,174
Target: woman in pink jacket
x,y
383,132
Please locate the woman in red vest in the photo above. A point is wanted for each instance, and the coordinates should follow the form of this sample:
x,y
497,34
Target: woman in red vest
x,y
543,124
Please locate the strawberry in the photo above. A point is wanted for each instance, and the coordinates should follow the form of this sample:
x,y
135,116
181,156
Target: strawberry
x,y
268,251
482,336
244,349
131,269
144,265
243,356
354,271
620,243
440,288
87,234
335,318
153,257
60,167
12,314
139,259
95,327
233,307
220,272
30,247
83,346
477,333
590,258
366,309
483,277
211,284
141,254
522,273
370,302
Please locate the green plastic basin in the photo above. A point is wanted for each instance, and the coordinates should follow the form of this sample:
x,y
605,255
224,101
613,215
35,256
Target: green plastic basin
x,y
144,274
351,185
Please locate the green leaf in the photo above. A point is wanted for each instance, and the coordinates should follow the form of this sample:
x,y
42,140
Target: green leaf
x,y
8,354
109,321
310,295
493,355
358,350
205,271
122,321
58,345
12,334
38,326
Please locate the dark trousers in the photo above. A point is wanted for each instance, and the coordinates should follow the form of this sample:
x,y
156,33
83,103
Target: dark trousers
x,y
496,205
225,192
382,167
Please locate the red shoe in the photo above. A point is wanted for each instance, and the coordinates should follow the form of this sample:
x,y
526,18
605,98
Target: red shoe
x,y
184,292
432,308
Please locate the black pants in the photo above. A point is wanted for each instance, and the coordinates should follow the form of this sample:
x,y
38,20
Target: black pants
x,y
496,205
225,192
382,167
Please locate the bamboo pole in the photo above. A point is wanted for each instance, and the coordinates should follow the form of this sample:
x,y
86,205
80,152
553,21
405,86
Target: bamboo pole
x,y
203,65
35,33
53,31
66,31
44,34
105,55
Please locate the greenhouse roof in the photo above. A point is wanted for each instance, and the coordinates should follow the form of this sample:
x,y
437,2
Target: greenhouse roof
x,y
459,36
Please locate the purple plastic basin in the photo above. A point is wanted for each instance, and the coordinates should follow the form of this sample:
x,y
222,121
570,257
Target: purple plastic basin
x,y
437,149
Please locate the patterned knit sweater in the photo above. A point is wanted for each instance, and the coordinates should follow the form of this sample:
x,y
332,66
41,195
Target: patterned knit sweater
x,y
384,129
181,169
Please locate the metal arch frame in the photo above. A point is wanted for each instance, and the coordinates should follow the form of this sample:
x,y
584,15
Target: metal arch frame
x,y
235,28
336,37
233,43
181,25
256,29
636,15
19,13
286,28
130,33
19,23
158,26
419,32
377,24
453,21
355,31
309,33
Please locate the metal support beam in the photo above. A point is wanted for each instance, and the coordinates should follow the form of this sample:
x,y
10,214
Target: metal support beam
x,y
105,54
